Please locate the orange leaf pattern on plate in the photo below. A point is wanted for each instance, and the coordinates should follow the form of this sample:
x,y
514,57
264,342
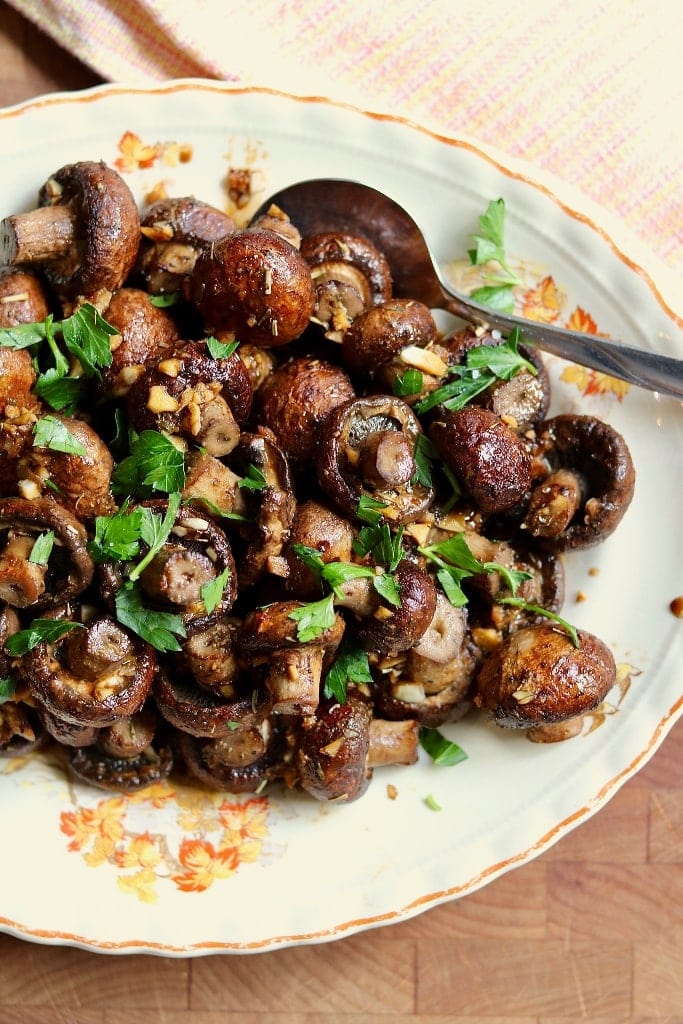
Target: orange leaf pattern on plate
x,y
543,302
591,382
192,858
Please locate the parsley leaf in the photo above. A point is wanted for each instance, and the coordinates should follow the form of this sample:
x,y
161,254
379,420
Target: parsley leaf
x,y
253,480
368,510
495,296
221,349
42,548
117,536
537,609
313,618
167,299
154,464
160,629
212,592
86,335
408,383
386,548
350,666
7,688
484,365
61,393
22,335
155,531
51,432
40,631
424,454
387,588
456,561
441,750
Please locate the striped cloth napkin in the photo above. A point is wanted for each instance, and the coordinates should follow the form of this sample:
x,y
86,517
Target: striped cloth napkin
x,y
590,91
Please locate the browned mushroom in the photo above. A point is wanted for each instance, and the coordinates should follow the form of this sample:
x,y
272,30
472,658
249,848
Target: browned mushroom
x,y
210,655
295,400
269,507
243,761
192,394
587,486
391,628
209,481
67,571
174,231
77,467
398,327
350,275
367,448
275,219
432,682
268,639
487,456
84,233
256,284
118,774
22,298
538,676
331,750
67,734
91,676
20,729
146,334
196,553
192,709
315,526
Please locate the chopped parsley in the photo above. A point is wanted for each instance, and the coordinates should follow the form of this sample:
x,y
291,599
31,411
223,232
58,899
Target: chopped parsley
x,y
154,464
490,249
51,432
40,631
456,561
160,629
441,750
350,666
42,548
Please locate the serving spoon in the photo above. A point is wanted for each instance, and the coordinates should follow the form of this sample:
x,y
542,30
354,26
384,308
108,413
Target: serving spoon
x,y
336,204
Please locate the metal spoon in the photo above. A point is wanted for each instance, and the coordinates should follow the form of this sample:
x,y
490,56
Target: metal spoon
x,y
334,204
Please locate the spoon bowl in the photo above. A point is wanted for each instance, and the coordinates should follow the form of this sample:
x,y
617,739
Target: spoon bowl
x,y
336,204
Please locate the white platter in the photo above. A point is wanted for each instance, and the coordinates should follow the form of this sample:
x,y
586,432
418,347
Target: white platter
x,y
179,872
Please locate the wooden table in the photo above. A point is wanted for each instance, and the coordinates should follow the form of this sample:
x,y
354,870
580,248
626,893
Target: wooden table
x,y
592,929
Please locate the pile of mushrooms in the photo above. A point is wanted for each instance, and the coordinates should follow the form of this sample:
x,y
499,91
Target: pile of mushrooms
x,y
280,610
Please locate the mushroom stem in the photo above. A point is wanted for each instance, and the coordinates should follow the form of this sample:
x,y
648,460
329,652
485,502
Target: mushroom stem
x,y
554,503
294,680
392,742
386,458
42,234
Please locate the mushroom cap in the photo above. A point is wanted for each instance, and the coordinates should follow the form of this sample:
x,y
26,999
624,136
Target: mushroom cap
x,y
379,333
256,284
332,749
23,298
107,233
489,458
537,676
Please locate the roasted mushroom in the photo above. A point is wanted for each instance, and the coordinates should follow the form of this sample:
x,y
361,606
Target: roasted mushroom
x,y
146,334
367,449
22,298
587,485
93,675
292,667
195,710
295,400
243,761
399,328
331,750
256,284
120,774
84,233
68,458
174,231
487,456
314,526
350,275
194,395
47,582
537,676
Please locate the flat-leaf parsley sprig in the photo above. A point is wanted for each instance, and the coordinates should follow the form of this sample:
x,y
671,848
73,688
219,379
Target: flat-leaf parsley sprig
x,y
490,252
456,561
484,366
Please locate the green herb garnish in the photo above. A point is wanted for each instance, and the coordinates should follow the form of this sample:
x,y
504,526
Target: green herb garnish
x,y
441,750
154,464
407,384
51,432
537,609
8,686
42,548
212,592
456,561
253,480
313,618
221,349
160,629
40,631
490,249
350,666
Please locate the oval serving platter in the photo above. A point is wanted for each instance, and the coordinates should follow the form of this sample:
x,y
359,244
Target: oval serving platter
x,y
175,870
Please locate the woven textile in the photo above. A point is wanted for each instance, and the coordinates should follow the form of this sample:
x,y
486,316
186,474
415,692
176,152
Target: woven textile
x,y
589,91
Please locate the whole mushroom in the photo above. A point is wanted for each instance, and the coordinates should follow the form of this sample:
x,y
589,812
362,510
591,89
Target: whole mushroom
x,y
84,234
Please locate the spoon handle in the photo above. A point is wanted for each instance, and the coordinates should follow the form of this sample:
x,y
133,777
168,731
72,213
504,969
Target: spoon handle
x,y
636,366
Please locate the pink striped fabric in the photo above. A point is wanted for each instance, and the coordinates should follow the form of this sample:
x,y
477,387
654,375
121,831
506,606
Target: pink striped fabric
x,y
590,91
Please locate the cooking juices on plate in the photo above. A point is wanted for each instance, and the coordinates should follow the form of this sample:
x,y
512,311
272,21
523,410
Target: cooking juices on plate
x,y
260,520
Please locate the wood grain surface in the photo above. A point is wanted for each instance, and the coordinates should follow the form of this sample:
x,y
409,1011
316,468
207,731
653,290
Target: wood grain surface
x,y
592,930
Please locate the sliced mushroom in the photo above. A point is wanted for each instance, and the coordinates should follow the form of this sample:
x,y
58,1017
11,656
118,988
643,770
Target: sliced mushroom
x,y
537,676
350,275
69,568
20,729
174,231
84,233
588,484
256,284
367,449
91,676
292,667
